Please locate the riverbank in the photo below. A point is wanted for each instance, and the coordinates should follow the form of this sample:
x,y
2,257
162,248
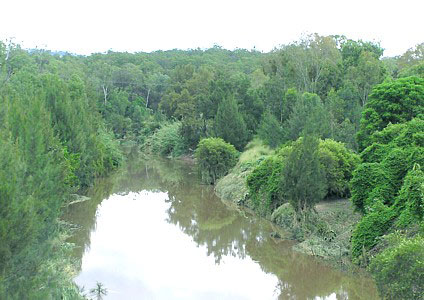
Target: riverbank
x,y
327,233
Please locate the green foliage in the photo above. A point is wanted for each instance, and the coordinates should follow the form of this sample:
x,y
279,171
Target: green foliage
x,y
265,181
372,226
410,202
264,184
51,144
399,269
366,178
303,181
338,163
167,141
392,102
229,124
395,151
60,115
215,158
270,130
308,117
284,215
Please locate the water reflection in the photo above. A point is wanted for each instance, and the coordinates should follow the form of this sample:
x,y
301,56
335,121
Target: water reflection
x,y
152,231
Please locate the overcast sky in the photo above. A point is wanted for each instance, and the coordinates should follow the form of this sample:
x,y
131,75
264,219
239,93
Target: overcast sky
x,y
86,26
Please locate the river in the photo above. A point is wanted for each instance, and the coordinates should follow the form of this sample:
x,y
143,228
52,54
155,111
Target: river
x,y
152,231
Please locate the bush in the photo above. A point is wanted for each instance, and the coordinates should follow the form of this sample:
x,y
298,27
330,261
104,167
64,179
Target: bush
x,y
392,102
366,178
167,141
410,202
215,158
339,163
399,269
284,215
264,184
375,224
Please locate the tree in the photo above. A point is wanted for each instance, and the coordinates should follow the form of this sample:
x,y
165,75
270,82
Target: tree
x,y
308,115
215,158
303,180
229,123
270,130
396,101
399,269
366,74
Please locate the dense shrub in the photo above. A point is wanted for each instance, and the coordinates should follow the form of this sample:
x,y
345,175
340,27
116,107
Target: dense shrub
x,y
375,224
395,151
265,181
264,184
399,269
375,152
392,102
410,202
215,158
366,178
167,141
339,163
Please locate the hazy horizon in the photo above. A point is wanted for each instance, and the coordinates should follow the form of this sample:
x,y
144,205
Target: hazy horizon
x,y
86,27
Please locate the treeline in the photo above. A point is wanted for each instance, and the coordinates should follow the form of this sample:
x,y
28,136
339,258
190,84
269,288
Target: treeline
x,y
319,84
53,143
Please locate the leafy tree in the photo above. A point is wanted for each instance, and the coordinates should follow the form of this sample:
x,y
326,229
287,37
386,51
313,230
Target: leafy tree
x,y
351,51
367,73
399,269
264,182
303,181
270,130
308,115
229,124
166,141
392,102
338,163
215,158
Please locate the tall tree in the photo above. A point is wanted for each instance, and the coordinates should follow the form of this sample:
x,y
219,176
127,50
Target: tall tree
x,y
396,101
229,123
303,180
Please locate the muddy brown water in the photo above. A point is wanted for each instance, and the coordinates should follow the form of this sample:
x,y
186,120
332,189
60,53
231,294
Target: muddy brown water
x,y
152,231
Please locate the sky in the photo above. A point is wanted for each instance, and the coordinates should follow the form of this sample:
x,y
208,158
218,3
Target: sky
x,y
87,26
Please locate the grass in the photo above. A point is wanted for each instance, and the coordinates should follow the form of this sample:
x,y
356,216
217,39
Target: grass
x,y
232,187
254,150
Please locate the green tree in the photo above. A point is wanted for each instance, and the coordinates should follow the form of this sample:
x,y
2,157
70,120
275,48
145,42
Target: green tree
x,y
308,115
303,181
270,130
399,269
396,101
229,124
215,158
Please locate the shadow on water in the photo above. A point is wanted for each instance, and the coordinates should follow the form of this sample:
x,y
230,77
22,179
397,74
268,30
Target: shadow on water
x,y
221,230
